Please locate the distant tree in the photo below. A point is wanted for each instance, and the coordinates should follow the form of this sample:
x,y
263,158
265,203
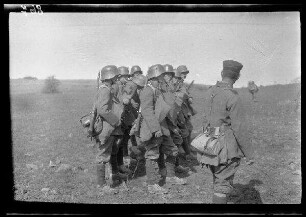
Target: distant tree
x,y
51,85
29,78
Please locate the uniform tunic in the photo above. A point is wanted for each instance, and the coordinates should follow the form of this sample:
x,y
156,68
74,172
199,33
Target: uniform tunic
x,y
168,92
130,99
186,107
110,111
150,124
223,106
183,120
131,109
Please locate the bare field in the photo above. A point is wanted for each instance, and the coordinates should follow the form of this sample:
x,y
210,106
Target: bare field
x,y
46,127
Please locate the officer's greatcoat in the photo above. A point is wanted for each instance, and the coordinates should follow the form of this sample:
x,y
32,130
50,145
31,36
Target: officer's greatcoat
x,y
223,107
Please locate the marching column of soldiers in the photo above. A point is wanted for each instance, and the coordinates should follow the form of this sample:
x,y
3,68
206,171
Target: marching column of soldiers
x,y
147,119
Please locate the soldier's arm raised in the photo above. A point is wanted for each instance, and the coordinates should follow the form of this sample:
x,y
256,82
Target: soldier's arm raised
x,y
147,109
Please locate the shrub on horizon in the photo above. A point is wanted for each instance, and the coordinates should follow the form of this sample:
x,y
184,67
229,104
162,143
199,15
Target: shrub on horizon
x,y
29,78
51,85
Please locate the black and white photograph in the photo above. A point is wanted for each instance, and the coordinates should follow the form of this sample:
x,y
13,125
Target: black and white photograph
x,y
160,106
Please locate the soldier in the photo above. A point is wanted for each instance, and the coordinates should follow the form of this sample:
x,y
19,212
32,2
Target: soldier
x,y
131,101
121,81
155,135
253,89
182,95
108,108
224,116
167,89
187,108
135,71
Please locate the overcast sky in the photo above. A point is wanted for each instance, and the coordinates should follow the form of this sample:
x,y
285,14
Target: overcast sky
x,y
78,45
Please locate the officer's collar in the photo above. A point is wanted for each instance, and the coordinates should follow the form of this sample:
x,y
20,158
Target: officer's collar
x,y
223,84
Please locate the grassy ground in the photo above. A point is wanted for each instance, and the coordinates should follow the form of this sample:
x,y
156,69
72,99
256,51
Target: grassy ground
x,y
46,127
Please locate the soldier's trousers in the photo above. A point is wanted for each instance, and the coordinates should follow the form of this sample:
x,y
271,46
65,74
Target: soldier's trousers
x,y
186,134
223,176
116,158
156,148
125,141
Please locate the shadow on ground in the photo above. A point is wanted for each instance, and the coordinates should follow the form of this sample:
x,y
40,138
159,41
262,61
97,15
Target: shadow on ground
x,y
246,194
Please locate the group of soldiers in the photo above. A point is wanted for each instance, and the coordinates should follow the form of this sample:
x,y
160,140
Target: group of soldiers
x,y
154,113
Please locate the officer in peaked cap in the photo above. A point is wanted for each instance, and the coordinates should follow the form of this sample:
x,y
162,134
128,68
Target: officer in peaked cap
x,y
224,118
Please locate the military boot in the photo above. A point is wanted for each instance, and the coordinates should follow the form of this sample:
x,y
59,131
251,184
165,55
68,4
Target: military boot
x,y
123,169
190,157
119,177
152,176
171,178
101,174
219,198
179,168
116,174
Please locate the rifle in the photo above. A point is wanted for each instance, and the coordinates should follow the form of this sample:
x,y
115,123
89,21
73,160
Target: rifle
x,y
93,118
192,111
190,85
98,79
94,109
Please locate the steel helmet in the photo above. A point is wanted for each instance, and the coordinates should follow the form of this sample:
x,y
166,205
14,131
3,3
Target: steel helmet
x,y
108,72
123,70
155,71
135,69
182,69
169,69
140,80
177,73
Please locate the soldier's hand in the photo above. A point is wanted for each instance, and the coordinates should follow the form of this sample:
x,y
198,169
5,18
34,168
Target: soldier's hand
x,y
158,134
90,131
134,104
176,131
125,101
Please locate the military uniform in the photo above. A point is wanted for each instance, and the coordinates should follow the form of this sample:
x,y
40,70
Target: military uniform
x,y
183,120
223,108
167,90
253,89
109,109
155,147
187,110
131,103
